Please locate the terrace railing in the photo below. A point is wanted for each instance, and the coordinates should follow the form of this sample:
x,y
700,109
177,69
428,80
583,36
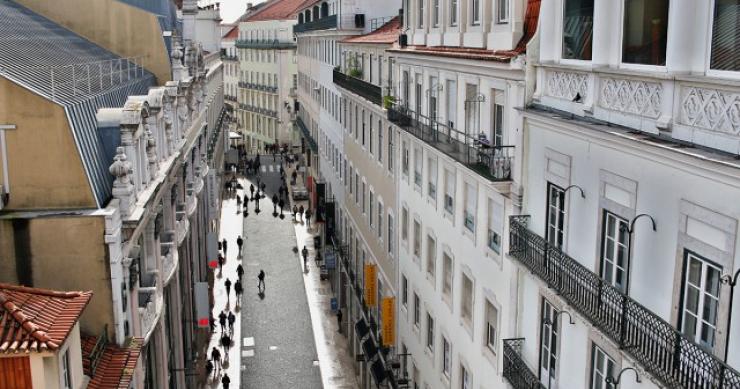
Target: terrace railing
x,y
359,87
516,370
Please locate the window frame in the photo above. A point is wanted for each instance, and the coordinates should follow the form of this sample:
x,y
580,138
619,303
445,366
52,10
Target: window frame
x,y
505,18
731,74
595,351
603,261
561,226
700,322
639,66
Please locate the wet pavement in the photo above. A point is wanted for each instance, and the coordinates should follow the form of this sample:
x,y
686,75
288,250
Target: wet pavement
x,y
286,337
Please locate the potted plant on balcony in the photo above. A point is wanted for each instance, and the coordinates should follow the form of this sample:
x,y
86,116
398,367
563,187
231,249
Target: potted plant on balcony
x,y
355,72
388,101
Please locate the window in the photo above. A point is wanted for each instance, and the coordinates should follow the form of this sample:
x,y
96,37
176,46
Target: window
x,y
370,213
498,117
453,13
405,159
417,239
430,332
391,237
555,215
548,344
404,291
475,12
418,166
66,373
502,11
431,256
404,224
578,29
471,195
446,357
446,275
615,251
435,14
380,142
700,300
645,32
491,326
380,219
449,192
370,138
390,149
465,378
602,366
495,213
725,35
420,16
432,178
417,310
466,300
363,198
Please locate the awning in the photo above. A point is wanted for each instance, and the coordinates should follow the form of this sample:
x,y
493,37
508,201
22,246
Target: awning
x,y
361,328
370,349
234,135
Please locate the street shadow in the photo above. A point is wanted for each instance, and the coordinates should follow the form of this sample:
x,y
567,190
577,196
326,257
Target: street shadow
x,y
261,295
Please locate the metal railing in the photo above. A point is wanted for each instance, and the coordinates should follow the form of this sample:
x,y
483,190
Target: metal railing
x,y
259,87
97,352
661,349
324,23
376,23
516,370
490,161
264,44
359,87
307,134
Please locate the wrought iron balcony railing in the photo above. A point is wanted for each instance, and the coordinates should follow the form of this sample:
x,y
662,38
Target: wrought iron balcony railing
x,y
490,161
307,134
516,370
264,44
661,349
325,23
226,57
359,87
259,87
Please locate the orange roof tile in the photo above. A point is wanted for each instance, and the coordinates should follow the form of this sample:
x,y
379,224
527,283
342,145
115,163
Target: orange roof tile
x,y
387,33
276,10
232,34
116,366
531,18
33,319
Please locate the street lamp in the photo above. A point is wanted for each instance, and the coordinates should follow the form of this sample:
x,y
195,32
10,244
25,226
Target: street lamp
x,y
614,382
630,229
555,318
732,282
574,186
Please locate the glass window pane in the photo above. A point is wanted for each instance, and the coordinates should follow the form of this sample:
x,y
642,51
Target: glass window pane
x,y
645,32
578,19
726,35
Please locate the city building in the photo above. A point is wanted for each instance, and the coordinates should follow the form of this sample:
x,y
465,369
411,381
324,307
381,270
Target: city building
x,y
266,51
626,246
231,66
109,171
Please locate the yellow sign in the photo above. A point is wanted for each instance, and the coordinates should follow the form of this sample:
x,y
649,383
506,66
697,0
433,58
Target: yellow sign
x,y
389,321
371,286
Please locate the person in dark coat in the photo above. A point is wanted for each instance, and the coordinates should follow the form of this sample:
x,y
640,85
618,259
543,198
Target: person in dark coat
x,y
261,278
295,211
239,243
300,211
225,381
239,272
238,289
223,244
308,218
339,319
226,343
222,320
216,357
304,252
227,284
232,319
209,369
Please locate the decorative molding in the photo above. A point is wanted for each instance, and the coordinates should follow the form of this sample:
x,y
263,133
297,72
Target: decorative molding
x,y
631,96
711,109
565,85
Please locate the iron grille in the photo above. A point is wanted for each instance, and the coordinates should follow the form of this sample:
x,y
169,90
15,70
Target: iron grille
x,y
516,370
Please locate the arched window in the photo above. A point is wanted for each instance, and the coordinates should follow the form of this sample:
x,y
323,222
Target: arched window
x,y
316,13
300,18
308,15
324,9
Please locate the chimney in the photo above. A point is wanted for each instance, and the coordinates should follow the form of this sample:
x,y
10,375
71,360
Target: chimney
x,y
250,6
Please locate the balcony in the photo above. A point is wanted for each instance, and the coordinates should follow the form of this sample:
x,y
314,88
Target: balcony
x,y
264,44
325,23
307,134
258,110
516,370
359,87
661,350
492,162
226,57
170,259
259,87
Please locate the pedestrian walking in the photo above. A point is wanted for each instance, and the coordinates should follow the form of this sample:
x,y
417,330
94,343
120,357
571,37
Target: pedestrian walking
x,y
226,344
209,368
300,211
216,357
295,211
261,278
304,252
239,273
238,289
239,243
222,320
308,218
212,323
221,261
225,381
227,284
238,201
339,319
223,244
232,319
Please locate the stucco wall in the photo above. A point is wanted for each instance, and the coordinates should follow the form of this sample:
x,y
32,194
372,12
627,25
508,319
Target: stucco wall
x,y
44,166
65,253
125,30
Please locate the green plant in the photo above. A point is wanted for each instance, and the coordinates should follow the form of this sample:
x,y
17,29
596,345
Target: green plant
x,y
388,101
355,72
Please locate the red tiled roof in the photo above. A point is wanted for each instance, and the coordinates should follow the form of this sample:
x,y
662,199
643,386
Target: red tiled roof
x,y
531,18
387,33
232,34
116,366
276,10
33,319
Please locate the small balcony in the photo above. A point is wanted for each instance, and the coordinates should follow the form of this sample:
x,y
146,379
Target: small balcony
x,y
662,350
307,134
491,161
264,44
359,87
516,371
325,23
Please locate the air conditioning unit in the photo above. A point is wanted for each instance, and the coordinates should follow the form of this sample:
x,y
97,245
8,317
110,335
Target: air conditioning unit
x,y
403,40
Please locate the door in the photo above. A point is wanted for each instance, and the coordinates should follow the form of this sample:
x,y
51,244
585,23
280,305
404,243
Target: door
x,y
555,226
548,346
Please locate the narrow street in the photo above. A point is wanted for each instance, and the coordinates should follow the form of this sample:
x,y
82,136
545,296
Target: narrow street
x,y
277,333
